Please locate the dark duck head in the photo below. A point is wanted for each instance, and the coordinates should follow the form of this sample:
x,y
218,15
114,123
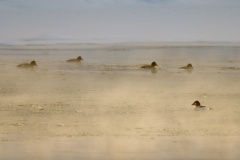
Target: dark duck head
x,y
197,104
189,65
153,64
79,58
33,63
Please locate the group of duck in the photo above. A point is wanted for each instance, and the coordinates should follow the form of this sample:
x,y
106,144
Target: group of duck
x,y
197,104
153,65
79,59
34,63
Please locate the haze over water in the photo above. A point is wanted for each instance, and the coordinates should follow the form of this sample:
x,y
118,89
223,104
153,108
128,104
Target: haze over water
x,y
109,21
107,106
123,58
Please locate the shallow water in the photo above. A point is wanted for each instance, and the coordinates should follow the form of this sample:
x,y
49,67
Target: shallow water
x,y
125,148
107,107
113,59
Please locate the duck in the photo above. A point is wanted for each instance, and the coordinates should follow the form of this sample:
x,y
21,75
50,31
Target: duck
x,y
189,66
199,107
152,66
78,59
28,65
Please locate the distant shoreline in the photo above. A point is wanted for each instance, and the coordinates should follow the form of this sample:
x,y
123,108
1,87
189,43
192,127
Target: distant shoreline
x,y
116,46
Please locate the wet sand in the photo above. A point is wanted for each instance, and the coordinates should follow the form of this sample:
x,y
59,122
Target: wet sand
x,y
54,114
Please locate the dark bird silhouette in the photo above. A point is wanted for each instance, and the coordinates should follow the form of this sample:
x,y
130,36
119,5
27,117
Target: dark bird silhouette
x,y
78,59
189,66
28,65
153,65
198,107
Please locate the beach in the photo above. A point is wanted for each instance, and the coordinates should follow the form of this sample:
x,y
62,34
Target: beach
x,y
107,107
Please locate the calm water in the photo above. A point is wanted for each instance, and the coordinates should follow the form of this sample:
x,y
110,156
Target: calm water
x,y
127,148
128,59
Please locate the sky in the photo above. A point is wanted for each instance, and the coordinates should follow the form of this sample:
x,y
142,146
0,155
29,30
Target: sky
x,y
113,21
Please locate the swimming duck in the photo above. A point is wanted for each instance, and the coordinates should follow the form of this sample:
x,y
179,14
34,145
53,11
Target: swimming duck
x,y
28,65
153,65
78,59
189,66
199,107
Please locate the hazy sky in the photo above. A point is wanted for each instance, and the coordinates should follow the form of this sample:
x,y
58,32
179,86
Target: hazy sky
x,y
33,21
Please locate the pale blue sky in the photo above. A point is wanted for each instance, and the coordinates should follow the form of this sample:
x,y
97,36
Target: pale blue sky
x,y
33,21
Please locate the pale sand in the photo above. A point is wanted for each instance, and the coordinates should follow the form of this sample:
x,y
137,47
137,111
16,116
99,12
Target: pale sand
x,y
107,115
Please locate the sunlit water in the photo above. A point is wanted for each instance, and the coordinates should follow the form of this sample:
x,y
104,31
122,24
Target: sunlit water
x,y
154,140
113,59
108,148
